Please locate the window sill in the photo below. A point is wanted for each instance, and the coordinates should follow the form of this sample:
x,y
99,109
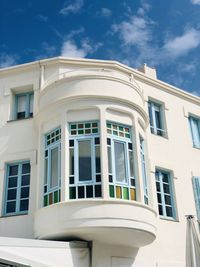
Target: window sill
x,y
9,121
161,136
13,215
196,147
169,219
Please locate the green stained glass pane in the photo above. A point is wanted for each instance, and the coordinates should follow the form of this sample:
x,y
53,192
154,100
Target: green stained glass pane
x,y
48,137
125,193
112,190
73,126
48,142
80,131
121,128
115,132
55,196
87,125
95,130
72,192
109,125
59,195
127,135
46,201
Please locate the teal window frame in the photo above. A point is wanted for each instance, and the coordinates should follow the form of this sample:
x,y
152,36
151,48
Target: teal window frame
x,y
165,194
52,141
196,189
156,119
19,179
123,190
195,130
144,170
80,189
27,110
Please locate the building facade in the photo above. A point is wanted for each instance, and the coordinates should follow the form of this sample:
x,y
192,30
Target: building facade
x,y
95,151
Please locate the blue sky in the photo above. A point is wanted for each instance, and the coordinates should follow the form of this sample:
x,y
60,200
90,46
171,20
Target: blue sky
x,y
163,34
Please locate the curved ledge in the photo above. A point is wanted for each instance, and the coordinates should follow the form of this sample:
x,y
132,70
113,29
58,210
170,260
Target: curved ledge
x,y
116,222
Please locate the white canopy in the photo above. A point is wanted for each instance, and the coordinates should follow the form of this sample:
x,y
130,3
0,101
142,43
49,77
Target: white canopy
x,y
192,244
29,252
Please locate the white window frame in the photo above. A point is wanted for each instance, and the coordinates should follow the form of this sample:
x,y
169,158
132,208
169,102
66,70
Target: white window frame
x,y
152,108
195,139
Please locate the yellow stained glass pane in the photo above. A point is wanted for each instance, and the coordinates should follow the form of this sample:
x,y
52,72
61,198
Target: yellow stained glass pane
x,y
118,192
133,194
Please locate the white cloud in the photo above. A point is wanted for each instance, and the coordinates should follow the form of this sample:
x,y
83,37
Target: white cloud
x,y
105,12
136,31
195,2
181,45
70,49
7,60
72,8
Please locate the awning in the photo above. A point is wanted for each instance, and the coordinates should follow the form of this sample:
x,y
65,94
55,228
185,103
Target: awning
x,y
40,253
192,244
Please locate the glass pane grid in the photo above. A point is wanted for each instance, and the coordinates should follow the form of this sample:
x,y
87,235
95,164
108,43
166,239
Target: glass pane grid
x,y
122,192
53,137
51,198
86,128
118,130
93,190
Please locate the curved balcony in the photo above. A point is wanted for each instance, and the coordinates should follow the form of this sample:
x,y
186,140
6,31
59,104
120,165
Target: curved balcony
x,y
109,221
87,84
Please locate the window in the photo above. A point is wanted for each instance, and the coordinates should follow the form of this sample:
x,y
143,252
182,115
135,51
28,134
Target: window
x,y
24,105
144,172
155,118
52,167
165,194
196,188
17,188
195,131
120,162
85,163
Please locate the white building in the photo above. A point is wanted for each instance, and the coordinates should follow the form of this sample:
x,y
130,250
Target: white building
x,y
96,151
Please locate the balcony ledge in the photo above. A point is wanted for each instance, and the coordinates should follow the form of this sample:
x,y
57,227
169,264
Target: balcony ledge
x,y
109,221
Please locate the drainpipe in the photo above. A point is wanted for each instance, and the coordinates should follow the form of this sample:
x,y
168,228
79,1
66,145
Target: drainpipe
x,y
41,79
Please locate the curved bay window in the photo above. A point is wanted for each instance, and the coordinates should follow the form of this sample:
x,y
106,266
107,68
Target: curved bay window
x,y
120,162
84,160
52,167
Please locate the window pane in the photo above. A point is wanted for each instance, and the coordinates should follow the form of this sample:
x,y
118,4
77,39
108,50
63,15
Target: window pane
x,y
71,157
158,121
54,167
10,207
150,114
21,103
26,168
31,105
12,182
131,163
120,167
24,205
45,170
12,194
25,192
109,160
13,170
98,163
84,151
